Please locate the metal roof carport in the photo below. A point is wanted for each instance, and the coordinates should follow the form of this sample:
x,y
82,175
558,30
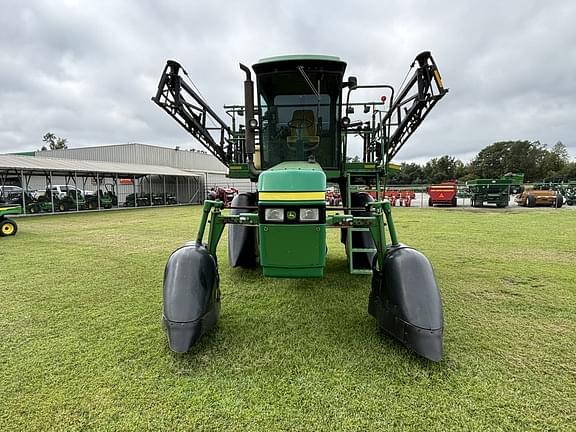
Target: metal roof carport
x,y
26,166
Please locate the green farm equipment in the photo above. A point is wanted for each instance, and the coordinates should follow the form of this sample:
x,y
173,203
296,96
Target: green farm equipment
x,y
294,142
46,202
568,189
155,199
494,191
8,227
516,182
97,200
72,199
110,193
168,199
137,200
22,199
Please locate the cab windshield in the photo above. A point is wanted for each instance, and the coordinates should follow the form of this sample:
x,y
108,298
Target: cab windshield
x,y
299,117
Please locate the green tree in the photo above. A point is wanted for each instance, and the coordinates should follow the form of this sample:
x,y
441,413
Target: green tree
x,y
443,168
54,142
561,151
555,161
502,157
410,173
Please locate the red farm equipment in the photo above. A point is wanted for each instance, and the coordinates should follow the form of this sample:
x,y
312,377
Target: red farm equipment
x,y
333,197
226,195
401,198
443,194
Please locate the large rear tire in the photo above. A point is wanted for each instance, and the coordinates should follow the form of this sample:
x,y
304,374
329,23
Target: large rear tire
x,y
559,201
531,201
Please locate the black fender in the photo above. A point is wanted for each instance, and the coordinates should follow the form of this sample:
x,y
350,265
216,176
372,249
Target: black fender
x,y
360,239
243,240
191,296
406,301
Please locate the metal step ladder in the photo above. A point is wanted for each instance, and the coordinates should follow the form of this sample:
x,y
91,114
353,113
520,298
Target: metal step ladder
x,y
350,251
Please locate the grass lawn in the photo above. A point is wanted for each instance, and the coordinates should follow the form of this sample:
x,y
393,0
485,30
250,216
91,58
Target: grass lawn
x,y
82,347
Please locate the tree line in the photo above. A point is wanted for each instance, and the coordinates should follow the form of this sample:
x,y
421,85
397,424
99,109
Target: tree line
x,y
535,160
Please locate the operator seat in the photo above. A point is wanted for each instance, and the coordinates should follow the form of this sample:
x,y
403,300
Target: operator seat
x,y
303,126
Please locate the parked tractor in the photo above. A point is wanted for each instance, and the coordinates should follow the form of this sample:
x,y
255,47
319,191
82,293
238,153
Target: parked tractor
x,y
294,141
97,200
22,199
72,199
110,193
167,199
8,227
46,202
137,200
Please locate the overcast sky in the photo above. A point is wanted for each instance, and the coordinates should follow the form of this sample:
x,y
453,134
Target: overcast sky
x,y
86,70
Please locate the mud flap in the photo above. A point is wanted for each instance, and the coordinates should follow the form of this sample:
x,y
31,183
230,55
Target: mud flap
x,y
406,301
191,296
243,240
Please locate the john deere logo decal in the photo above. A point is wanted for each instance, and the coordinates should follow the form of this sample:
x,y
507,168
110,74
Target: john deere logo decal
x,y
291,215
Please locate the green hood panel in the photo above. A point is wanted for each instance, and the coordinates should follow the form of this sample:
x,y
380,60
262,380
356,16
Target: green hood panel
x,y
293,176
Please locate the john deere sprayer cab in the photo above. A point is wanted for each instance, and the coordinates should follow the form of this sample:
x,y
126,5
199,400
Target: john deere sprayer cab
x,y
293,141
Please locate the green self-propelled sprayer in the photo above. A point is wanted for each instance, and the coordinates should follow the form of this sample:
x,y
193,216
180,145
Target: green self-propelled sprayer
x,y
292,143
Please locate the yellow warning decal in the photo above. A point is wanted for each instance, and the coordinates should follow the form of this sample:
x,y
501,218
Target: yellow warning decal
x,y
438,79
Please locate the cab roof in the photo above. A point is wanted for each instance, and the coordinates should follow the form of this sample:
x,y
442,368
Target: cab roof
x,y
299,57
291,62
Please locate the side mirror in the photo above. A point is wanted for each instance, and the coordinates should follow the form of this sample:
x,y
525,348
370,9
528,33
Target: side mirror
x,y
352,82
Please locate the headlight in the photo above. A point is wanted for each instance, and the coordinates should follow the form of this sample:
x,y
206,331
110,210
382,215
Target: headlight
x,y
309,214
274,214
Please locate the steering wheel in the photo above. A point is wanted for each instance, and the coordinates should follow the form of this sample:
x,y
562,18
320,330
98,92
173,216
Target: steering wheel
x,y
300,123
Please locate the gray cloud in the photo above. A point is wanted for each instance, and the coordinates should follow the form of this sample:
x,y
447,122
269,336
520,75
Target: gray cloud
x,y
86,70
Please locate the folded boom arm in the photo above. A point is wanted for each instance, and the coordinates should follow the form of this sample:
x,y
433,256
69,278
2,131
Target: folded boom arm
x,y
413,103
188,108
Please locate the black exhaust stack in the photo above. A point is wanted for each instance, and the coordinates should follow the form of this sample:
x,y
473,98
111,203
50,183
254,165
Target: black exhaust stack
x,y
250,138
